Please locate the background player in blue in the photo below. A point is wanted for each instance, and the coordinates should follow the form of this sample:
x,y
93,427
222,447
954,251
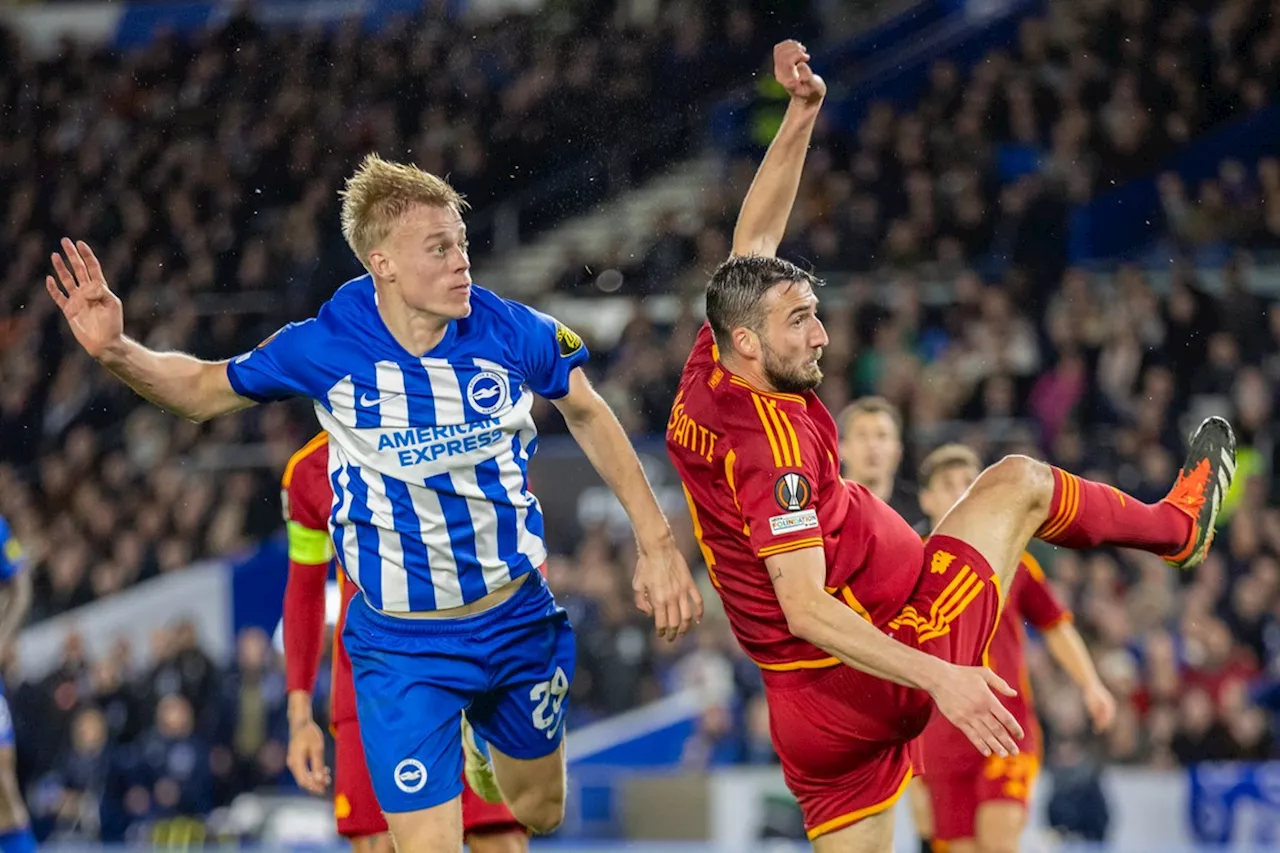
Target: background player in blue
x,y
15,601
424,383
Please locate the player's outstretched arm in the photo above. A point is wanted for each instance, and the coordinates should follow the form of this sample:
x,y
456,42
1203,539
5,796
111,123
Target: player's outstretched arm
x,y
1068,650
767,207
663,585
963,694
188,387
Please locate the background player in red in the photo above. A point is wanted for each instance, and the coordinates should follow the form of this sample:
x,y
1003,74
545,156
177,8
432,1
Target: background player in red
x,y
307,497
816,572
974,804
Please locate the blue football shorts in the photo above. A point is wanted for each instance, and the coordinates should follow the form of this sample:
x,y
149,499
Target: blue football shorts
x,y
509,668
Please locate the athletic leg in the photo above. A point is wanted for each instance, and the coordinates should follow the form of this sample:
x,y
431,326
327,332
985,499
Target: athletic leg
x,y
1004,790
433,830
998,826
870,835
491,827
921,808
1018,498
412,680
534,788
521,724
380,843
511,841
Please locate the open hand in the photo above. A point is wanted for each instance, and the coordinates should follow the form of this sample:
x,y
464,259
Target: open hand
x,y
666,591
306,758
93,311
967,697
791,69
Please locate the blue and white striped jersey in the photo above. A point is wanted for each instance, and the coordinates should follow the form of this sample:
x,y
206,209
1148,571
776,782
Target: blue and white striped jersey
x,y
428,456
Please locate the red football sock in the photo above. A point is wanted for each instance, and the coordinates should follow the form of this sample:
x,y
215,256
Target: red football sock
x,y
1085,514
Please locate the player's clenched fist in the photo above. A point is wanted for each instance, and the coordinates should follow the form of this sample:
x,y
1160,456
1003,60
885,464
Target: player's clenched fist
x,y
791,69
93,311
665,590
966,698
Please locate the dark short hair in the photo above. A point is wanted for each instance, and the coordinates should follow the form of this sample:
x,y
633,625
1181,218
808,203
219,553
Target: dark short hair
x,y
738,286
870,406
946,457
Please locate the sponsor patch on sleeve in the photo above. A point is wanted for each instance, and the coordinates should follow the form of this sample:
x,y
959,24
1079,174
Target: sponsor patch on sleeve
x,y
805,519
568,340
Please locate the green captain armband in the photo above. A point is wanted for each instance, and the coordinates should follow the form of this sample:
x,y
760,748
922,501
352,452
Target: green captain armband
x,y
308,546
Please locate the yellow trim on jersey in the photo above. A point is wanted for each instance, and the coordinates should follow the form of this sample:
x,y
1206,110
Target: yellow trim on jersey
x,y
307,546
793,665
784,547
861,814
730,459
953,600
707,556
306,450
768,431
783,441
1033,566
791,434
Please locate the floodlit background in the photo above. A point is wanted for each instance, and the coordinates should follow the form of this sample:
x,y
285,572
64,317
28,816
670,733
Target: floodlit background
x,y
1049,227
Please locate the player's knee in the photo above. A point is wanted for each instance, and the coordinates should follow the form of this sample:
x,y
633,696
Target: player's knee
x,y
1022,477
541,811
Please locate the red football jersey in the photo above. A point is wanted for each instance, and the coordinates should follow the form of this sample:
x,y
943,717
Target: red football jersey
x,y
308,499
762,477
1030,600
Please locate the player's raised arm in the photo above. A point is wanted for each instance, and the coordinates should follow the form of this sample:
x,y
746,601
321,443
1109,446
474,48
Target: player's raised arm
x,y
767,207
187,386
963,694
663,586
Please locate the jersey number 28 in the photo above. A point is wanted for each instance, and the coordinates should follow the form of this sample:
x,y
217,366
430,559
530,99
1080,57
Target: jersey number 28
x,y
549,695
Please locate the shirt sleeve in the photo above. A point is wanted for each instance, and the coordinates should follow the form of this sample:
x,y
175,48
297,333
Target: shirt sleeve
x,y
774,478
310,551
549,351
306,513
12,560
274,369
1037,602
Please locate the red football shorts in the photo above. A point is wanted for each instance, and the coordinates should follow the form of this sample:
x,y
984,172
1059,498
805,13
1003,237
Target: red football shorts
x,y
956,797
354,803
356,807
843,735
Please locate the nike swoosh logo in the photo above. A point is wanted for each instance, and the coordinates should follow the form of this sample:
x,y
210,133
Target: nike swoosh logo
x,y
376,401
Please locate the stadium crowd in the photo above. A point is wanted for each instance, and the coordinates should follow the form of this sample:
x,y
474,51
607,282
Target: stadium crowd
x,y
217,222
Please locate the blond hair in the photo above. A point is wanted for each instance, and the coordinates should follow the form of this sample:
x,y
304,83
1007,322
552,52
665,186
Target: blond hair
x,y
380,192
946,457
